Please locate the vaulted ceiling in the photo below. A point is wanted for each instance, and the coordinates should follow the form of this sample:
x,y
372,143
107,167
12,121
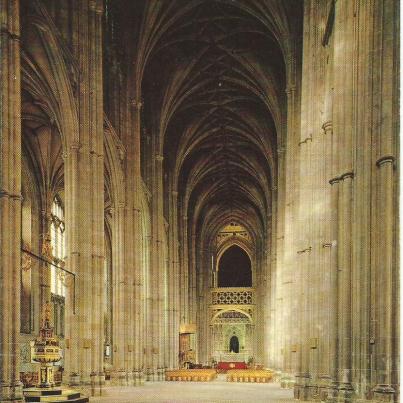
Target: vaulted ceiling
x,y
212,76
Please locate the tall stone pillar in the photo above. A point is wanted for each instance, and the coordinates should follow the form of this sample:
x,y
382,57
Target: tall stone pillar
x,y
184,284
157,270
192,301
304,256
328,360
10,200
343,122
130,342
384,390
326,366
138,279
72,258
85,248
386,205
344,297
288,284
173,279
277,319
118,295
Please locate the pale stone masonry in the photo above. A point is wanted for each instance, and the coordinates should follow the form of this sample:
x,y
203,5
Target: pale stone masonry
x,y
171,131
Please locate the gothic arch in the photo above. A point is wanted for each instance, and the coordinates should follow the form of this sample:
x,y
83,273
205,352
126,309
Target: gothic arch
x,y
46,74
229,244
231,309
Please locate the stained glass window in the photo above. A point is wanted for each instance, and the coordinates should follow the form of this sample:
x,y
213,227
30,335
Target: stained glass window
x,y
57,235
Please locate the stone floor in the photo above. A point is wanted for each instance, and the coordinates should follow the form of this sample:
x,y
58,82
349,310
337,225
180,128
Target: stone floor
x,y
212,392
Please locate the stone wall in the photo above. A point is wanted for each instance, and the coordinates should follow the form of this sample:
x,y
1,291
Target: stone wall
x,y
337,282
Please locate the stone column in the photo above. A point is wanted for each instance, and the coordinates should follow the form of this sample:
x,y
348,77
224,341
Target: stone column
x,y
384,390
304,257
288,283
328,363
118,338
184,287
328,356
137,341
386,272
72,257
192,301
96,161
278,268
174,291
10,200
157,270
303,261
131,286
344,298
343,120
85,162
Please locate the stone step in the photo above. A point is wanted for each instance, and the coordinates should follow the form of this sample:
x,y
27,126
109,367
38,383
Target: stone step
x,y
54,395
81,399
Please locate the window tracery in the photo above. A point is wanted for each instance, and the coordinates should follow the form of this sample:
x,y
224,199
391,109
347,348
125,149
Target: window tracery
x,y
58,276
57,236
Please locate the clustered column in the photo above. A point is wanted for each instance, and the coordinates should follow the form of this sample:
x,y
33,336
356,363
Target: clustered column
x,y
85,162
10,200
158,274
386,273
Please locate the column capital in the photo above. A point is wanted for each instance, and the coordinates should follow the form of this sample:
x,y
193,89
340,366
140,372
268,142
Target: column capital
x,y
75,145
347,175
12,35
305,141
159,157
6,193
96,6
136,104
385,159
16,196
327,127
290,89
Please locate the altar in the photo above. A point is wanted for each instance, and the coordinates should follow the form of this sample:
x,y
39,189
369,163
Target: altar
x,y
242,356
226,366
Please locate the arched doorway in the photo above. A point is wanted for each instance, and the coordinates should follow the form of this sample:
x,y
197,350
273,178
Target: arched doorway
x,y
234,344
235,268
232,335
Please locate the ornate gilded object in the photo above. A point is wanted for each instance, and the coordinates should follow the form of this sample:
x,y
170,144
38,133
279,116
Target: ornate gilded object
x,y
46,350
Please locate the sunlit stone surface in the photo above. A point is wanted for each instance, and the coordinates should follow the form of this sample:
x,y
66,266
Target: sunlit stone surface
x,y
216,391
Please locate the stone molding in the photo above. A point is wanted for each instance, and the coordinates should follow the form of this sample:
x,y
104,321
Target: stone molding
x,y
386,159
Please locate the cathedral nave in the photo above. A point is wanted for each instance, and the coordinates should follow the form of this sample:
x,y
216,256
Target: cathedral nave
x,y
199,200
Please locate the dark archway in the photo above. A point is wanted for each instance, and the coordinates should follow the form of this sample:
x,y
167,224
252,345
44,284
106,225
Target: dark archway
x,y
234,344
234,268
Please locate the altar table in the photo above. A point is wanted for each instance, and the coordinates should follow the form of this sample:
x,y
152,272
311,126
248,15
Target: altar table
x,y
231,365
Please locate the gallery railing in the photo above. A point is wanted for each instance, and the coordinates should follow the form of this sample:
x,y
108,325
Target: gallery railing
x,y
232,296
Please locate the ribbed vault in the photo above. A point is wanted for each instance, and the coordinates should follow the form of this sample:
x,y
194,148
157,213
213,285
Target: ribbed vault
x,y
215,105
